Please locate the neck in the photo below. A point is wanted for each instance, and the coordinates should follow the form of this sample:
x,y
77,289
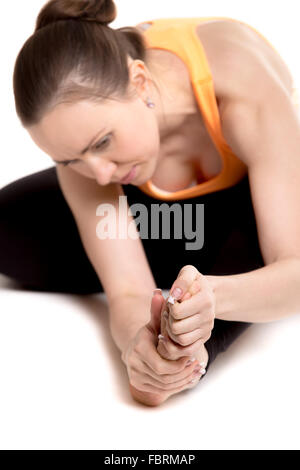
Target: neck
x,y
176,106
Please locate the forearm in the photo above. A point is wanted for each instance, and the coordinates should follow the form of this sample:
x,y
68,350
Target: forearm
x,y
127,314
263,295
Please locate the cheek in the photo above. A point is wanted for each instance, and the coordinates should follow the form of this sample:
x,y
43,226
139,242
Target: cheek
x,y
84,171
147,143
142,148
144,134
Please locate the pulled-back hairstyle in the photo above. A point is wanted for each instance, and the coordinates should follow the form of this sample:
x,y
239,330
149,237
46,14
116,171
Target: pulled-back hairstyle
x,y
74,55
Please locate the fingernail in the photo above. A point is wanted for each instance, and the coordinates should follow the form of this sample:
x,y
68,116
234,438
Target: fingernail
x,y
157,291
176,293
190,361
194,380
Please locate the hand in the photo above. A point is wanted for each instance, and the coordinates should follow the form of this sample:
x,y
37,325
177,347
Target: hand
x,y
190,314
169,349
152,378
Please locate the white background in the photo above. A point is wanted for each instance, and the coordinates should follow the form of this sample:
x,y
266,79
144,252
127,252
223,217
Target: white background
x,y
62,383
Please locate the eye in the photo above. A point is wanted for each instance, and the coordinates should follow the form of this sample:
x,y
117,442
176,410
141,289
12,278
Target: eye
x,y
102,143
68,163
98,146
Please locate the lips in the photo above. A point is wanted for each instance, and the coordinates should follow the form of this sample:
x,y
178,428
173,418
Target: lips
x,y
129,176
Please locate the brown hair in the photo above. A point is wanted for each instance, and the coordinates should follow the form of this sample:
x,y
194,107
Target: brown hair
x,y
74,55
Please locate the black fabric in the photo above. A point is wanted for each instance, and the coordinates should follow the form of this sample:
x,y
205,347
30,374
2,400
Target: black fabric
x,y
42,250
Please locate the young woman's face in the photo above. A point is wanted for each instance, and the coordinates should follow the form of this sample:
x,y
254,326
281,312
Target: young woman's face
x,y
118,135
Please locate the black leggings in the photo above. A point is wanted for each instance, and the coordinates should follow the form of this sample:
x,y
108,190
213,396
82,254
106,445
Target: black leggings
x,y
41,248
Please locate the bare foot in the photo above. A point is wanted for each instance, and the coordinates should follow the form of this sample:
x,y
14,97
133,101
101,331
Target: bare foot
x,y
199,358
155,399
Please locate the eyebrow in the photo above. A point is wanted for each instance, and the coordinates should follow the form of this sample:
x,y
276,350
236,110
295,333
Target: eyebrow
x,y
84,150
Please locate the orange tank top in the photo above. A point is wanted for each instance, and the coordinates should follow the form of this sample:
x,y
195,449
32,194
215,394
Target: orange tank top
x,y
179,36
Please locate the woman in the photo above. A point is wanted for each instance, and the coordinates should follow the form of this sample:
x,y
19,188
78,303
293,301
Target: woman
x,y
146,113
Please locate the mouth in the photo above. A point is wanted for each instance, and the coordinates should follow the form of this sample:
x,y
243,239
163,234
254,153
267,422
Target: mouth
x,y
130,176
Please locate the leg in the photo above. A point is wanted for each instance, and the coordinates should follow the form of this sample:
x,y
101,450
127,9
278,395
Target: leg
x,y
40,244
41,247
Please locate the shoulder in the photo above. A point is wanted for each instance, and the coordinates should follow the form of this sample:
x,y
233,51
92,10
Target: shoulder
x,y
238,56
254,89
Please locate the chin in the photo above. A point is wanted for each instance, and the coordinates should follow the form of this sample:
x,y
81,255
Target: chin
x,y
137,182
142,179
144,174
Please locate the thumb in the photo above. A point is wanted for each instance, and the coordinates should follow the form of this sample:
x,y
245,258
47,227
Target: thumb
x,y
187,275
156,306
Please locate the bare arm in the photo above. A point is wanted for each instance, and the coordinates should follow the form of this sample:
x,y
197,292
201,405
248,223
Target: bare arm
x,y
127,315
264,295
121,264
264,131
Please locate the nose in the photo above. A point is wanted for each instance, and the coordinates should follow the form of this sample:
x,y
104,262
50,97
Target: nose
x,y
102,170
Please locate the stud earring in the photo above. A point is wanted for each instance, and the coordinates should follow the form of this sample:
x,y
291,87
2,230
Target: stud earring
x,y
150,103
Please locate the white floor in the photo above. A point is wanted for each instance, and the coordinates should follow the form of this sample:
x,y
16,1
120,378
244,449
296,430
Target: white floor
x,y
63,385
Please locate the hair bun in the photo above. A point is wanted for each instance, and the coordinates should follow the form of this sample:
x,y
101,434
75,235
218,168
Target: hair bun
x,y
99,11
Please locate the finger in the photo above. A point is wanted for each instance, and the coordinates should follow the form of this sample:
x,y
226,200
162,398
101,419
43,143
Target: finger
x,y
147,379
193,289
189,384
197,285
161,366
186,276
189,324
186,296
137,379
164,318
187,339
170,336
168,348
166,337
165,344
155,397
173,347
165,341
186,325
162,348
172,351
201,302
140,368
156,306
190,350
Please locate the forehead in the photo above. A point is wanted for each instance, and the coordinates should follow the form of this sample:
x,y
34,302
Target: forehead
x,y
68,127
82,113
